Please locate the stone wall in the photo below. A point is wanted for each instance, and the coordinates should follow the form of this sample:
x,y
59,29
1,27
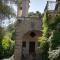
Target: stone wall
x,y
23,26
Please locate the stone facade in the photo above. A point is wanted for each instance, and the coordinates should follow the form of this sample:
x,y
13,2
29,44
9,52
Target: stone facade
x,y
58,5
28,29
23,8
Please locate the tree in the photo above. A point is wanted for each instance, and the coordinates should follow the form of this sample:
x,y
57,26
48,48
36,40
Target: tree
x,y
5,10
6,43
11,29
44,46
36,14
2,33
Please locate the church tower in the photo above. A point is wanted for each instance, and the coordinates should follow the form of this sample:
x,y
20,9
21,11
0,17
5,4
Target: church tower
x,y
28,29
23,8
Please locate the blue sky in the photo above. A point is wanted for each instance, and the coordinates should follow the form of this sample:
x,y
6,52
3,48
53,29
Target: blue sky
x,y
35,5
38,5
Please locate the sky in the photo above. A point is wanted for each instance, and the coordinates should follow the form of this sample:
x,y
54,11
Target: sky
x,y
35,5
38,5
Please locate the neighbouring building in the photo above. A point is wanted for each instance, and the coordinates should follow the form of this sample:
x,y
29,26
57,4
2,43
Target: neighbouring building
x,y
58,5
53,8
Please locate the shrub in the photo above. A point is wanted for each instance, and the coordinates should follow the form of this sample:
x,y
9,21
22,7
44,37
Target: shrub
x,y
43,40
8,45
54,40
54,54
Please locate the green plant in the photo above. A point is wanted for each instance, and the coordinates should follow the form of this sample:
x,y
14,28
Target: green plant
x,y
6,44
54,54
53,25
54,40
44,46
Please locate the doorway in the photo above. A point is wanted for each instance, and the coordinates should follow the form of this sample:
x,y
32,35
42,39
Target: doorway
x,y
31,47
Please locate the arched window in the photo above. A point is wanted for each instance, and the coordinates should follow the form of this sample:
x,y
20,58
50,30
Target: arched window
x,y
32,34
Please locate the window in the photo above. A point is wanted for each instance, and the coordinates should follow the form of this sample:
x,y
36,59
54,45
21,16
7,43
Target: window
x,y
24,44
19,21
20,8
32,34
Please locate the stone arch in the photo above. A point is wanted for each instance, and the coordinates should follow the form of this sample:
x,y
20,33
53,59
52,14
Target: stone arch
x,y
32,34
30,42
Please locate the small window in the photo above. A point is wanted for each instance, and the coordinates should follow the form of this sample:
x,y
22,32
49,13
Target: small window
x,y
32,34
24,44
19,21
20,8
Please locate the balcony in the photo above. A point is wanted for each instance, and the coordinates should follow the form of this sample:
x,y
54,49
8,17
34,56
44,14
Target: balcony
x,y
53,6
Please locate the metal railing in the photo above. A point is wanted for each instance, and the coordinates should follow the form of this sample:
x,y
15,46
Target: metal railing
x,y
52,5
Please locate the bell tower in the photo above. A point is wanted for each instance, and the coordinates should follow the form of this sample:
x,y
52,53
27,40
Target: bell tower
x,y
23,8
28,29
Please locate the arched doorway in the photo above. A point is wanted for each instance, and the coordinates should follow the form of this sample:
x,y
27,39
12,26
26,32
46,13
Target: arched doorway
x,y
31,47
30,44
